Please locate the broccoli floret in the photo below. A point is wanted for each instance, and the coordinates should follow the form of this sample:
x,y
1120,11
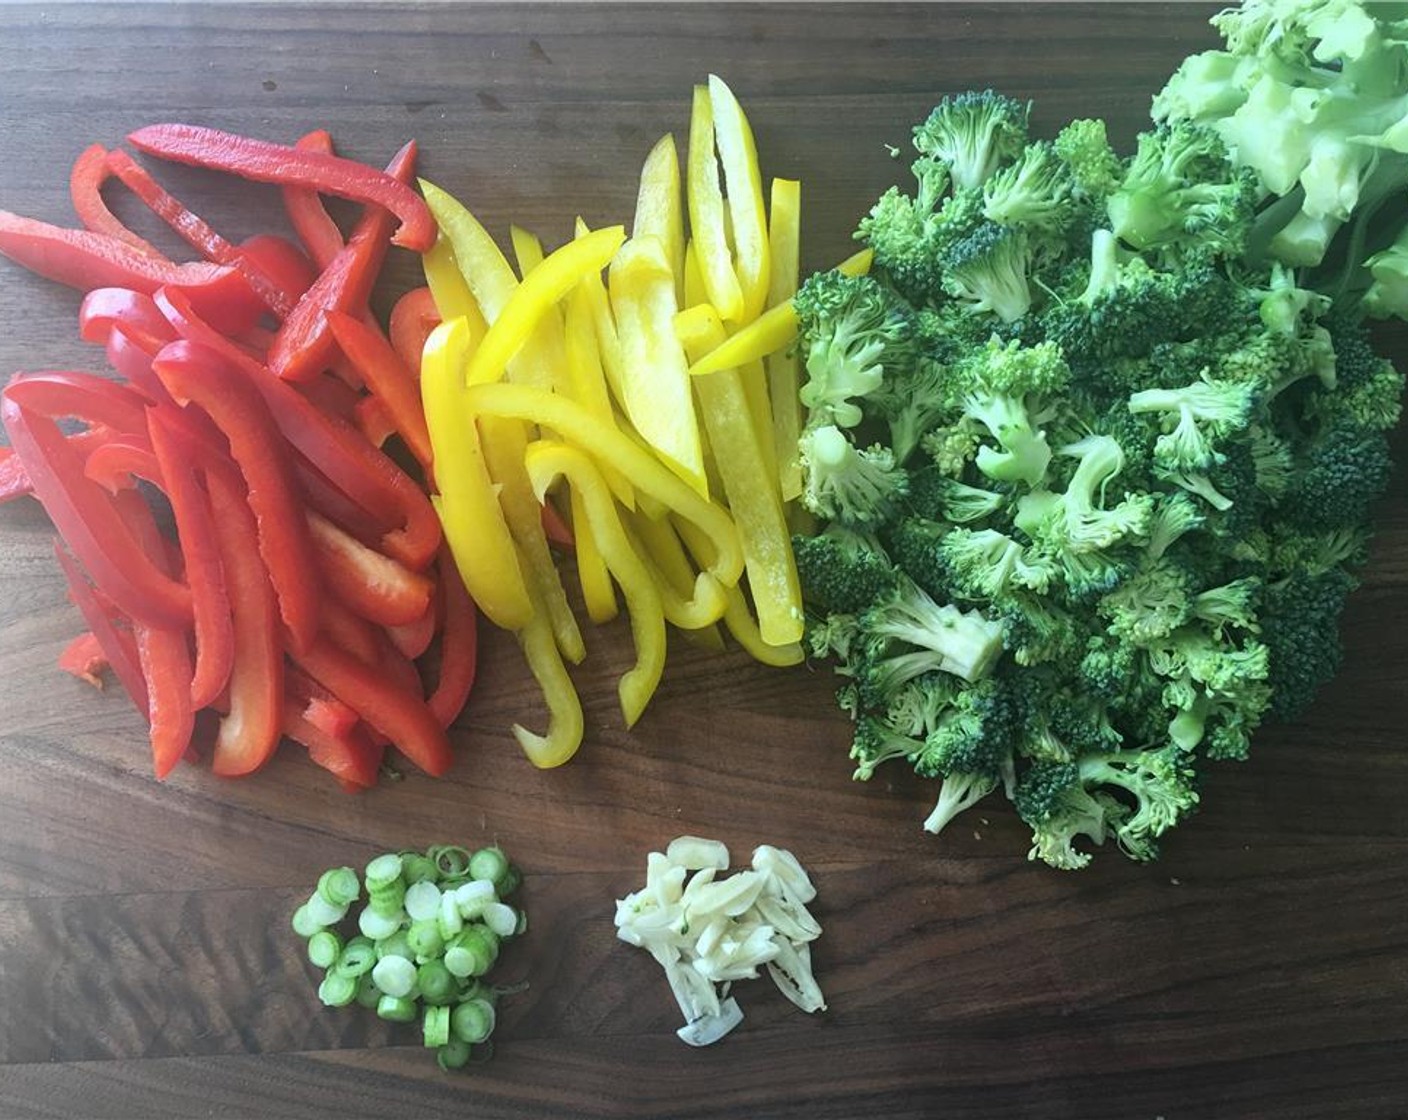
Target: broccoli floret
x,y
1034,193
962,643
853,331
938,497
909,237
1035,630
1084,145
1181,189
911,401
1175,515
857,486
973,134
1300,626
988,271
1150,605
831,635
1197,419
1052,799
916,708
842,571
1006,387
1367,391
1340,474
1075,522
875,742
971,748
1162,784
951,447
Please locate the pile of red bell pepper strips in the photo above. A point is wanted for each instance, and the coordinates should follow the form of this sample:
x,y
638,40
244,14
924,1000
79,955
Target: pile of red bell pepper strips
x,y
232,530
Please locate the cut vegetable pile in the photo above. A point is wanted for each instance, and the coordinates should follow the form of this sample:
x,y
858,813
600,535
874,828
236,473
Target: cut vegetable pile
x,y
709,930
557,388
427,938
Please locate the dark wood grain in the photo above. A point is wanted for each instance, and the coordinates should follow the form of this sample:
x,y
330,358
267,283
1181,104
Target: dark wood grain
x,y
146,968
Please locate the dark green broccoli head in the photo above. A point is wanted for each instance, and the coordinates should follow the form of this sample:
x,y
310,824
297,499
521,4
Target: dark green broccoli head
x,y
973,134
841,571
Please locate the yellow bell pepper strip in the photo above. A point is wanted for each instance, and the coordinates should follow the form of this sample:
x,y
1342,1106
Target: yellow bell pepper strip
x,y
597,590
704,603
586,381
549,460
527,249
564,705
738,616
651,477
665,558
448,289
770,331
706,212
505,443
655,375
755,505
755,388
660,206
607,340
534,300
694,293
468,503
743,182
784,367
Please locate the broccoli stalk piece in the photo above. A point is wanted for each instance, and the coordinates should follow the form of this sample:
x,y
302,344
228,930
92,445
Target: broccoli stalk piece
x,y
988,271
1005,387
963,643
1181,189
853,332
972,134
859,487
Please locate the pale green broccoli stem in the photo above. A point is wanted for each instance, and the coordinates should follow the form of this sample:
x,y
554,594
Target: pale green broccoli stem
x,y
1104,265
836,374
1025,453
957,794
968,644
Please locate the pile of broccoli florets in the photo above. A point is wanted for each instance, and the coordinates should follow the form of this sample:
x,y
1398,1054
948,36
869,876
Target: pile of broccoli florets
x,y
1091,479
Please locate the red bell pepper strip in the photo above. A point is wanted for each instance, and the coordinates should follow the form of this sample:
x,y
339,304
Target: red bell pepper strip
x,y
412,639
104,308
401,716
306,213
332,395
304,344
373,421
90,172
195,374
131,356
86,260
350,755
197,232
326,499
84,396
350,631
413,317
332,446
84,658
458,644
195,529
162,652
389,379
281,261
250,732
89,521
256,341
119,647
374,586
14,480
265,162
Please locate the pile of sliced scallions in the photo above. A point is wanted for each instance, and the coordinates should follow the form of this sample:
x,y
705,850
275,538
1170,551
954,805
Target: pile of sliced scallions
x,y
427,937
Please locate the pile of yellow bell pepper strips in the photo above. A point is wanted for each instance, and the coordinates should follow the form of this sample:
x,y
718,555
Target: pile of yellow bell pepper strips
x,y
656,406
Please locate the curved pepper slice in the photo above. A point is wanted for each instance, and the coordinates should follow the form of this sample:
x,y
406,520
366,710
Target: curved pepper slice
x,y
306,212
304,345
90,172
375,586
744,185
250,730
651,477
266,162
458,644
89,521
664,557
413,317
586,380
656,389
592,574
706,211
770,331
119,647
449,289
539,292
565,725
104,308
195,374
548,460
745,472
384,373
468,505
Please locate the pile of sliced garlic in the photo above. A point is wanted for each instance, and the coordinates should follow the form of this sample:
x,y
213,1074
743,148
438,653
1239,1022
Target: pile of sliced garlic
x,y
709,931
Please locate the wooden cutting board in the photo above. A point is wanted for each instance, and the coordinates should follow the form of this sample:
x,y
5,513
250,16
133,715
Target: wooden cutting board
x,y
147,969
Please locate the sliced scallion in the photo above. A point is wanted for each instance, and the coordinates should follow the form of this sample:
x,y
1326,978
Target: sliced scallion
x,y
501,918
358,957
396,976
324,947
435,1026
511,881
396,1009
450,921
473,1021
340,886
387,898
472,897
434,983
451,859
397,945
453,1055
416,868
368,994
337,991
488,863
424,940
323,913
383,870
378,926
303,923
423,902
